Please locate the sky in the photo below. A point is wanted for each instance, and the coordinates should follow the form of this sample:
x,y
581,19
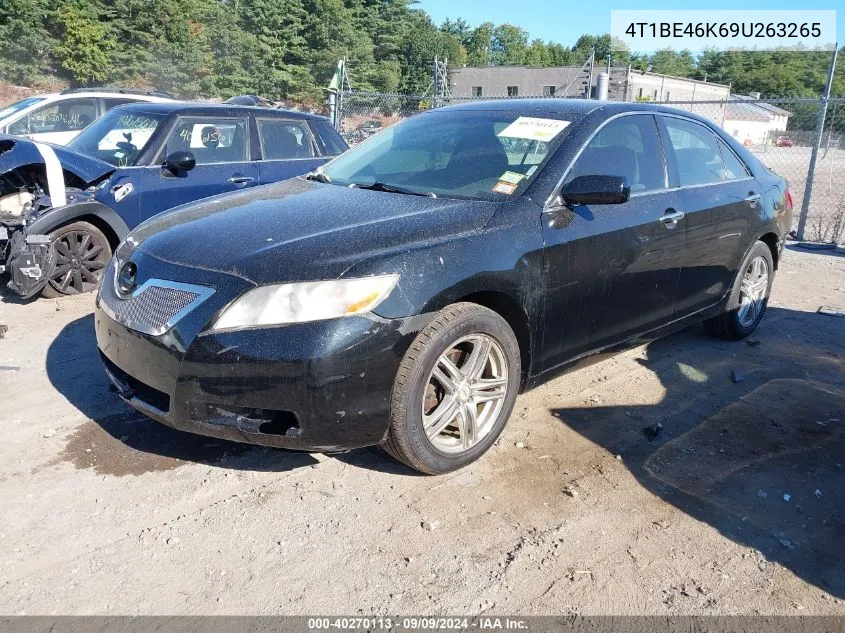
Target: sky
x,y
564,21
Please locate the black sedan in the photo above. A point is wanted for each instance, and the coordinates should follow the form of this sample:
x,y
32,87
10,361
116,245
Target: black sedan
x,y
404,293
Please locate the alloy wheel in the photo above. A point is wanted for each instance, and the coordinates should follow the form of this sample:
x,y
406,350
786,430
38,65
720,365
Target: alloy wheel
x,y
465,393
753,291
80,260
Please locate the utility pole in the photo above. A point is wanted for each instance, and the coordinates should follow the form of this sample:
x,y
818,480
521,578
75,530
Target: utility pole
x,y
590,80
811,170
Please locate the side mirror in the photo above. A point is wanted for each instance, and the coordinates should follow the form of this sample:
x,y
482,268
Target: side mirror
x,y
179,163
596,190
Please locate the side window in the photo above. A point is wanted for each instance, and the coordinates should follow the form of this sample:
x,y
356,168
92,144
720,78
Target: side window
x,y
281,139
210,139
734,168
328,140
696,152
113,103
628,146
69,115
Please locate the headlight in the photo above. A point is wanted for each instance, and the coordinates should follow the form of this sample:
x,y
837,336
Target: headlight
x,y
305,301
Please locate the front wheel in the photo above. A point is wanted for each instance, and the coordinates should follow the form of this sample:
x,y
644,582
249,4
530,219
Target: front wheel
x,y
749,297
82,253
455,390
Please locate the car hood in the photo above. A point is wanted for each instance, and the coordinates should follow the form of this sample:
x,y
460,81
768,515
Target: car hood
x,y
18,152
300,230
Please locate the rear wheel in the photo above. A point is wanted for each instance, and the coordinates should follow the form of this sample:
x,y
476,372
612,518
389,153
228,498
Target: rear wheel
x,y
82,253
749,297
455,390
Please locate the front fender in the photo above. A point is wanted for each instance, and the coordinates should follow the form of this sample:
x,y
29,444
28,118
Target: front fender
x,y
54,218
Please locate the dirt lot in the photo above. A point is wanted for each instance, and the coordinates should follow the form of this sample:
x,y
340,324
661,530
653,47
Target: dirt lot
x,y
574,510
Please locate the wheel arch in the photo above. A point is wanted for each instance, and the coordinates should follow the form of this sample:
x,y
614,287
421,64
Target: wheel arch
x,y
512,312
95,213
771,240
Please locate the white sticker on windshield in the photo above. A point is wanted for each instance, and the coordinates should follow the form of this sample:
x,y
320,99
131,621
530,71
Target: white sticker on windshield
x,y
534,129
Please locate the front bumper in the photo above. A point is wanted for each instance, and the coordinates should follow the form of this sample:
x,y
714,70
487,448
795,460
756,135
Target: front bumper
x,y
320,386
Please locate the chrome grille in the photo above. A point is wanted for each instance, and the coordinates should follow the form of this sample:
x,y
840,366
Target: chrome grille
x,y
154,307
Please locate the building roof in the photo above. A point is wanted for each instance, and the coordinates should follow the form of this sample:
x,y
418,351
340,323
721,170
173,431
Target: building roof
x,y
746,108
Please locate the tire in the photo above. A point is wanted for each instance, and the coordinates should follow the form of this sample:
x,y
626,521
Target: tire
x,y
82,253
454,341
749,296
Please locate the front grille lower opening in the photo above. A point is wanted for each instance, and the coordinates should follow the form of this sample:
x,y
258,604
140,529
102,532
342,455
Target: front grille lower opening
x,y
137,389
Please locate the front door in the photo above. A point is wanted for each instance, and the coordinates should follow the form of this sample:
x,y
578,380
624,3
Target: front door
x,y
220,146
613,270
719,198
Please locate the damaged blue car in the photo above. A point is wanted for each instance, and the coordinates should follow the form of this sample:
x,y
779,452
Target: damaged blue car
x,y
64,210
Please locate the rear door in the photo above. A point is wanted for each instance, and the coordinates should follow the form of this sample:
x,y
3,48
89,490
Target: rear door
x,y
719,199
221,148
613,269
288,149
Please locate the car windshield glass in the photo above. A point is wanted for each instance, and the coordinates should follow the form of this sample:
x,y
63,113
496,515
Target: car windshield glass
x,y
479,155
19,105
118,137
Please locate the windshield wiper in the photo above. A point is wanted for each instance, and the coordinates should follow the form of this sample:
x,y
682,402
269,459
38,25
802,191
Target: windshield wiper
x,y
381,186
318,176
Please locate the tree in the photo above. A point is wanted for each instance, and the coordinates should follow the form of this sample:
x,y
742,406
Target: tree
x,y
669,62
25,43
479,51
509,45
459,28
84,46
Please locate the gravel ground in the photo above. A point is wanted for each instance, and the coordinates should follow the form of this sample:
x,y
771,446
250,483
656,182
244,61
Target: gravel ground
x,y
736,507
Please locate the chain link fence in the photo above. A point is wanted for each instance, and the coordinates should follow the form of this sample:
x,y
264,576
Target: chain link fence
x,y
780,132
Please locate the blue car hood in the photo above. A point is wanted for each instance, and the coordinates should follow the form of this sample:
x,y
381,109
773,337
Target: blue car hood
x,y
18,152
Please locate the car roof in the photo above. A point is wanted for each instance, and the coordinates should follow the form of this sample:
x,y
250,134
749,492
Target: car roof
x,y
561,108
76,94
212,109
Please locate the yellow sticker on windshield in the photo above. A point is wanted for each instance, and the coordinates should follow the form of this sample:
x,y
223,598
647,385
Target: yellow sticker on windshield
x,y
505,188
534,129
512,177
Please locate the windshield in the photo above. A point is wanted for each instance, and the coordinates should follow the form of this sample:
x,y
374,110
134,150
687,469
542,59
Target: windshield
x,y
480,155
19,105
118,137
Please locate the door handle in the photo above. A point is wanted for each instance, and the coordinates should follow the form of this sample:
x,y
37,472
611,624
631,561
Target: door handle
x,y
752,198
241,180
671,218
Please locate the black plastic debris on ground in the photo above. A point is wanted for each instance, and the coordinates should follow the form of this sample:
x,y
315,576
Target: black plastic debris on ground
x,y
653,432
737,376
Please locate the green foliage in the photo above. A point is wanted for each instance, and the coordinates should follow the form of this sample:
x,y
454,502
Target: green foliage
x,y
84,44
290,48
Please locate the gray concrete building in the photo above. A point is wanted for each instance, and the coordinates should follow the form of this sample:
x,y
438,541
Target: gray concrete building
x,y
625,84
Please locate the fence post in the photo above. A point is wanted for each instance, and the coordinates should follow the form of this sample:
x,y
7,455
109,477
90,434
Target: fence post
x,y
331,101
811,170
